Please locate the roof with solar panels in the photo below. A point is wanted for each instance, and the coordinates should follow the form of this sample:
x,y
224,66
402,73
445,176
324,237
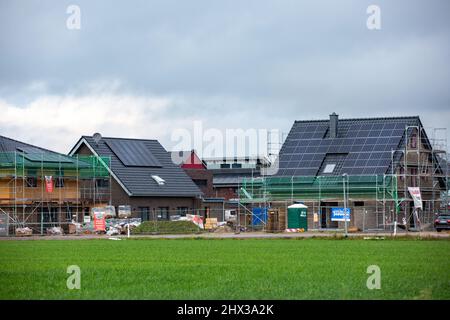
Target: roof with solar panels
x,y
142,167
13,152
363,146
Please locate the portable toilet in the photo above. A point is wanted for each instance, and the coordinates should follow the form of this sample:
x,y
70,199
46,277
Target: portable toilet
x,y
297,218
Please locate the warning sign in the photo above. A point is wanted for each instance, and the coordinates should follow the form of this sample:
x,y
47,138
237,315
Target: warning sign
x,y
99,221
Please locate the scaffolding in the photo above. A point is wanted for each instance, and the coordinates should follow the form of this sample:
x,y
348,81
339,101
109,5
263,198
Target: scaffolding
x,y
422,162
381,200
321,193
42,190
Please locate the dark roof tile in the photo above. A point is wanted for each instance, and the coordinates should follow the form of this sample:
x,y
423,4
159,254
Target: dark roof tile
x,y
137,179
363,146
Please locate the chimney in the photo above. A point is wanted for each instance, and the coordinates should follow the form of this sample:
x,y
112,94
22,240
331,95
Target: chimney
x,y
97,137
333,125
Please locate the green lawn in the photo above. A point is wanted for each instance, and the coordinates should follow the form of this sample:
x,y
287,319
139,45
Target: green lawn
x,y
225,269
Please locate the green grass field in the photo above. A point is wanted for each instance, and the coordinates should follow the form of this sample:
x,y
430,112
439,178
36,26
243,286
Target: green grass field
x,y
225,269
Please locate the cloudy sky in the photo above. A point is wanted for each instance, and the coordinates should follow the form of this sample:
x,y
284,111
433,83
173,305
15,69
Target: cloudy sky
x,y
148,68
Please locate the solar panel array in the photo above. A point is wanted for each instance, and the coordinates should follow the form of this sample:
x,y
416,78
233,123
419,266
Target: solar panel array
x,y
368,143
133,153
36,155
46,157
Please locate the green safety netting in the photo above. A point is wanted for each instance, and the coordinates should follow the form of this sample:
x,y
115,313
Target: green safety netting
x,y
264,189
37,164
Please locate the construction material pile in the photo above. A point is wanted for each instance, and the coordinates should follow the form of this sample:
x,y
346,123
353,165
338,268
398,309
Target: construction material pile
x,y
210,223
117,226
55,231
224,228
23,232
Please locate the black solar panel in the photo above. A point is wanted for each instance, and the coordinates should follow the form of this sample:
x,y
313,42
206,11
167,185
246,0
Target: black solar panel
x,y
48,157
368,143
133,153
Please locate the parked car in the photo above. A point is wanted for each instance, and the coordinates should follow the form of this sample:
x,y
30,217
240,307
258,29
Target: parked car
x,y
442,222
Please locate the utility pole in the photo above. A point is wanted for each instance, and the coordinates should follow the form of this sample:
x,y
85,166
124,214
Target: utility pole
x,y
345,204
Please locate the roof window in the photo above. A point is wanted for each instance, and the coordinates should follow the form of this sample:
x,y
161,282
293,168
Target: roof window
x,y
329,168
159,180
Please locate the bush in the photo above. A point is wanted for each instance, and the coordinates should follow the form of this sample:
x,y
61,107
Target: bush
x,y
166,227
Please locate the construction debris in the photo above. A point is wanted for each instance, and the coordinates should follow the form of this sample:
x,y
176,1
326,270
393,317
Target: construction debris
x,y
23,232
113,231
73,227
196,219
224,229
295,230
119,226
55,231
210,223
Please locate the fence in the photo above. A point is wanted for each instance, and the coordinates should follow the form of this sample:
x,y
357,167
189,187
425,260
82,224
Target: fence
x,y
376,202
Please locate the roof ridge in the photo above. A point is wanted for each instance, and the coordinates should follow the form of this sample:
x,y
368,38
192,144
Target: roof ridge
x,y
359,119
118,138
31,145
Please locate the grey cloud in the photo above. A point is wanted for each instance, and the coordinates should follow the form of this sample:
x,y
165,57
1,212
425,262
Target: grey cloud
x,y
262,63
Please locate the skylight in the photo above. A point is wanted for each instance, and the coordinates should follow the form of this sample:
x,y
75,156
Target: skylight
x,y
329,168
159,180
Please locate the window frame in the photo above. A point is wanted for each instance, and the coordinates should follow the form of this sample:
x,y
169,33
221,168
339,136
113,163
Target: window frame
x,y
328,165
182,211
160,213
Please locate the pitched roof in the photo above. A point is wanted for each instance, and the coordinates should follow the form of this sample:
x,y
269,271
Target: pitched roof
x,y
188,159
33,156
233,177
361,147
135,161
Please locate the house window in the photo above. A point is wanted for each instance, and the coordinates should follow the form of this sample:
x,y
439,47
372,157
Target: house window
x,y
224,165
182,211
332,163
49,217
59,178
329,168
359,203
31,179
102,183
413,177
402,174
163,213
413,141
31,182
145,213
59,182
236,165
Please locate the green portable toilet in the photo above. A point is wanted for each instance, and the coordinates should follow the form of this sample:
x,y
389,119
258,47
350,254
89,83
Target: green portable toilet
x,y
297,218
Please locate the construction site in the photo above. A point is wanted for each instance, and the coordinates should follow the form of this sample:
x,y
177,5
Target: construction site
x,y
374,203
39,191
339,175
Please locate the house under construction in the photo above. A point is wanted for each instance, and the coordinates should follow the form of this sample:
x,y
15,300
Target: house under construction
x,y
370,166
40,188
